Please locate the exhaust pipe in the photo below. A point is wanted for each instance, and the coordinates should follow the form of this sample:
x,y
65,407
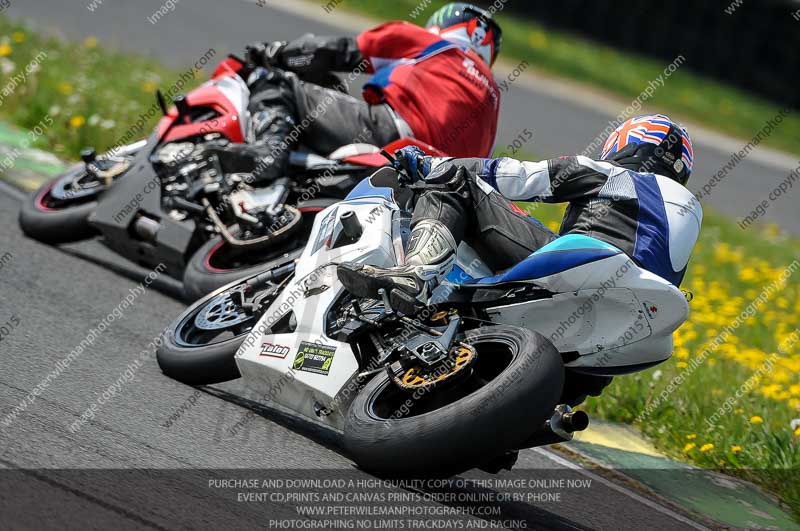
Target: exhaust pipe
x,y
558,428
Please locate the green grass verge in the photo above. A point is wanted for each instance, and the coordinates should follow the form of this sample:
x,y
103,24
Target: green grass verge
x,y
95,95
684,96
90,96
753,436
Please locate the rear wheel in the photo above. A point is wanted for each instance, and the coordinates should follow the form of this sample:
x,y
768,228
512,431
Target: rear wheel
x,y
199,347
510,388
217,263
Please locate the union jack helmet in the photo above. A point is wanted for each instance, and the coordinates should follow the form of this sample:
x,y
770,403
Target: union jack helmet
x,y
652,143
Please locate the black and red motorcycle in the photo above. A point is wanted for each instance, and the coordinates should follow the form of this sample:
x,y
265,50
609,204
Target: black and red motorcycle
x,y
166,200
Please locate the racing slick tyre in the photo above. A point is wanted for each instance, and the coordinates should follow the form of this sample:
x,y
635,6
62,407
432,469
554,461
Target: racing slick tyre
x,y
513,386
48,220
199,347
214,265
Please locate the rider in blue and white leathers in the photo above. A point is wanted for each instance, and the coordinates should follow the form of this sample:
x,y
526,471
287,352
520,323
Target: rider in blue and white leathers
x,y
633,198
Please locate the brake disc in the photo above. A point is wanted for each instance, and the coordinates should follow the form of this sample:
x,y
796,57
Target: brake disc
x,y
221,313
419,377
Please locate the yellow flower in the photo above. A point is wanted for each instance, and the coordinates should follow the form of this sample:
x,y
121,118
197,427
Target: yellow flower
x,y
77,121
797,431
736,449
774,391
748,274
682,364
90,42
688,447
772,231
538,40
691,436
755,419
149,86
5,50
65,88
18,37
706,447
724,253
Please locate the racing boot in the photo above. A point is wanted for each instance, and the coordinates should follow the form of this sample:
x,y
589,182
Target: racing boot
x,y
430,257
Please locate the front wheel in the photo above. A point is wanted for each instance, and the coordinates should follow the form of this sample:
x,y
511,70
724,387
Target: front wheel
x,y
199,347
216,263
512,387
53,220
58,212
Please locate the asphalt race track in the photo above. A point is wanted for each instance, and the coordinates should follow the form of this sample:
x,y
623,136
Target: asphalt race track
x,y
559,127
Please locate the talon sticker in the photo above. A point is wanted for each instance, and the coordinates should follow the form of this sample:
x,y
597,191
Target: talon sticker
x,y
274,350
312,357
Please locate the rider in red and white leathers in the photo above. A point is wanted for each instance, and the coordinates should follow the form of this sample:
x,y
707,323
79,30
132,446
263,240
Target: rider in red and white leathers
x,y
433,84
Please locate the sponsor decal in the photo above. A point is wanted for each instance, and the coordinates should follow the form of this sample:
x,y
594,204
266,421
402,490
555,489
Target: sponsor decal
x,y
315,358
274,350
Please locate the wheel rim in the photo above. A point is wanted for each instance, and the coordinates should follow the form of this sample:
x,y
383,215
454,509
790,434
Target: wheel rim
x,y
495,355
74,187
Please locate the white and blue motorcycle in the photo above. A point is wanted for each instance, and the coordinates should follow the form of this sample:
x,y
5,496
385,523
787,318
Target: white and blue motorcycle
x,y
478,374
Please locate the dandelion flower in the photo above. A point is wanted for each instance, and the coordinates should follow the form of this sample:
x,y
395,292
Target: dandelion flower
x,y
5,50
736,449
90,42
538,40
149,86
748,274
797,432
682,364
65,88
77,121
18,37
691,436
755,419
689,447
706,447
